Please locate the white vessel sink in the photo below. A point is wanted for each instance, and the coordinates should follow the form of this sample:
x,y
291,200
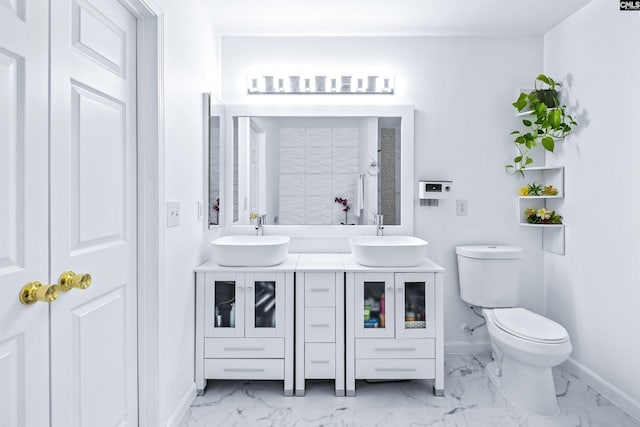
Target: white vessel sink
x,y
250,251
388,251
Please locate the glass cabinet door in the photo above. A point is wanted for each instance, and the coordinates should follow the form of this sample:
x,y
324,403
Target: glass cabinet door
x,y
374,305
264,305
224,310
414,305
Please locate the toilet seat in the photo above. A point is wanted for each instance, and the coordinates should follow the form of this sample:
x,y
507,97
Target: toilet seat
x,y
529,326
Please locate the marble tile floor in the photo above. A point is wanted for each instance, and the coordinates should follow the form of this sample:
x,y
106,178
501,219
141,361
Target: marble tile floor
x,y
470,400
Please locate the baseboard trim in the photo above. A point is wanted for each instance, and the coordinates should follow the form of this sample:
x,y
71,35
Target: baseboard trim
x,y
464,347
182,407
604,387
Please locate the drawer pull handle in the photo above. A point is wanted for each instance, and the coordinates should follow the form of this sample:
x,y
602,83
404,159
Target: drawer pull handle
x,y
320,361
319,325
320,289
243,348
244,369
395,369
395,349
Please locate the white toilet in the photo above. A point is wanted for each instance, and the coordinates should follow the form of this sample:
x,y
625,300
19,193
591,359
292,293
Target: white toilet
x,y
525,345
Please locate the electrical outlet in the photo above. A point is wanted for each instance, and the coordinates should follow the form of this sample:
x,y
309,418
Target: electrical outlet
x,y
461,207
173,213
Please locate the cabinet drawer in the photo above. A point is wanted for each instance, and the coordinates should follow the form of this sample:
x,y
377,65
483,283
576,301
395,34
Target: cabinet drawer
x,y
320,361
395,349
319,289
244,369
244,348
320,324
395,369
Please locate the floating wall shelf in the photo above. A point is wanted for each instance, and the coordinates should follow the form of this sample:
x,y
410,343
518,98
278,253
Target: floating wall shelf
x,y
552,234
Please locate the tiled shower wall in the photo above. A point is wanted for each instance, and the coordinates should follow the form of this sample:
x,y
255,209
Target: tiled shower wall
x,y
316,166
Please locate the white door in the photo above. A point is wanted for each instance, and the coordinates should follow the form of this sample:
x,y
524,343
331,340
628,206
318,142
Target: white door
x,y
264,305
374,299
93,212
415,314
224,305
24,249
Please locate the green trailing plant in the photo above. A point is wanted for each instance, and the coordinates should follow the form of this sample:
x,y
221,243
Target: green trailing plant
x,y
546,122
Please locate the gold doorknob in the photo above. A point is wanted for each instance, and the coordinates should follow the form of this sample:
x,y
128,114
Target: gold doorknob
x,y
70,280
36,291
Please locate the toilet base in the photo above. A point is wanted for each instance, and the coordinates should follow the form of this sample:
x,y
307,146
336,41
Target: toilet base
x,y
526,387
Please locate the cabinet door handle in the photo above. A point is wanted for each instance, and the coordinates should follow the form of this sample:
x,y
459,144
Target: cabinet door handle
x,y
399,290
244,369
390,289
321,361
395,369
319,325
249,288
319,289
240,289
244,348
395,349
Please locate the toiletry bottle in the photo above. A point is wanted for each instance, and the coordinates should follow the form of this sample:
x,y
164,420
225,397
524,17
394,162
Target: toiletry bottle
x,y
367,309
383,313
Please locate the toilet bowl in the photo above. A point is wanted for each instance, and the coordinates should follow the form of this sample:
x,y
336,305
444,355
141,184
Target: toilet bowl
x,y
526,346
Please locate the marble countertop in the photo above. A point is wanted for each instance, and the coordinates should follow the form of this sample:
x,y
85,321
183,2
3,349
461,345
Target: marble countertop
x,y
289,264
428,266
323,262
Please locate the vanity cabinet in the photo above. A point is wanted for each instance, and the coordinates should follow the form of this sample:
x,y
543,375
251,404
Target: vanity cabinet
x,y
394,327
244,323
320,320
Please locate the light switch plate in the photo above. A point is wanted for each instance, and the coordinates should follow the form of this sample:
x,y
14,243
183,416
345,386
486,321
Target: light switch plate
x,y
173,213
200,210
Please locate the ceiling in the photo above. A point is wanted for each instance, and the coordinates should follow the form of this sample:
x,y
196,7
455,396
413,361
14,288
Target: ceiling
x,y
388,17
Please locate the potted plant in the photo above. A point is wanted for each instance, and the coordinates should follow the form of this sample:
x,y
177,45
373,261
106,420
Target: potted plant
x,y
547,121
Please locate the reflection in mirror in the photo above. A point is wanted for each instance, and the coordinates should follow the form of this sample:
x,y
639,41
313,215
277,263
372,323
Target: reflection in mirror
x,y
316,170
214,120
214,170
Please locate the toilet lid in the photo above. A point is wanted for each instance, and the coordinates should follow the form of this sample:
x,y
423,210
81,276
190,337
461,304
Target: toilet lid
x,y
529,326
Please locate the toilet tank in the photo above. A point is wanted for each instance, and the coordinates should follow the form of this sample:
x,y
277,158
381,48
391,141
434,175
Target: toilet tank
x,y
489,275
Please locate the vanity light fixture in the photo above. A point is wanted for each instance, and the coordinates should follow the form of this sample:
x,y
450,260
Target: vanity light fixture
x,y
320,84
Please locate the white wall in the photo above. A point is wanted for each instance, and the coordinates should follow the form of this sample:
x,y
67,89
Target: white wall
x,y
594,289
462,89
190,68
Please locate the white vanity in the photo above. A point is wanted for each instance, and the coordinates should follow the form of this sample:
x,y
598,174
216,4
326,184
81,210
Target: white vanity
x,y
351,322
244,323
394,323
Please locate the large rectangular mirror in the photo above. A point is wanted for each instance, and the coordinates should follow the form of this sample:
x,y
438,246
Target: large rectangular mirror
x,y
321,166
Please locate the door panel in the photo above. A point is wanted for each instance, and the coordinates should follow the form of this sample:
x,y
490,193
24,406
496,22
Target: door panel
x,y
224,305
93,212
264,305
11,161
99,361
374,294
415,315
24,337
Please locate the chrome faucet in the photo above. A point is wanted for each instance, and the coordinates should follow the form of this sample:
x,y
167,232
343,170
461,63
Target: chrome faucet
x,y
260,221
379,222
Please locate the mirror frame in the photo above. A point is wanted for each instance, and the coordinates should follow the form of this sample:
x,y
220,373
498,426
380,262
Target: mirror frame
x,y
212,107
407,194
